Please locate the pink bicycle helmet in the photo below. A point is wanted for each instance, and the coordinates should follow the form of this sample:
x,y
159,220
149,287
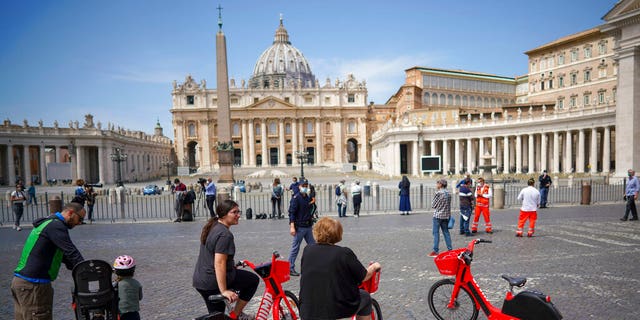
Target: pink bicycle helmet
x,y
124,263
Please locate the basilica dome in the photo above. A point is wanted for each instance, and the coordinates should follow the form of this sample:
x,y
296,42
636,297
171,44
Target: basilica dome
x,y
281,65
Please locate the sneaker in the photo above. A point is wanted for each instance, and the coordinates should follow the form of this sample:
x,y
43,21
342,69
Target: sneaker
x,y
294,273
529,235
433,254
244,316
14,227
623,219
18,229
633,219
177,220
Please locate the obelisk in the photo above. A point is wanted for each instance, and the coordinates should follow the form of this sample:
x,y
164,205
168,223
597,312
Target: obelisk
x,y
224,145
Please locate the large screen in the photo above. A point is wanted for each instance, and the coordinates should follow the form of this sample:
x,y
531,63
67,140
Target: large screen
x,y
430,164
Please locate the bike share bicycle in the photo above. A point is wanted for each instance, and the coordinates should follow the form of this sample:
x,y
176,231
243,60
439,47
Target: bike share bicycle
x,y
371,286
462,298
282,304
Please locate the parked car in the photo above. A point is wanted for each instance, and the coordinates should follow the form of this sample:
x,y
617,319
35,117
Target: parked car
x,y
151,189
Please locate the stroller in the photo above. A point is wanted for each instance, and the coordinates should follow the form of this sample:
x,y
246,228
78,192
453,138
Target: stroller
x,y
94,297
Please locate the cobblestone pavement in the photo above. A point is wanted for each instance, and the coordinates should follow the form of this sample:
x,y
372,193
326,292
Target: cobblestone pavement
x,y
583,256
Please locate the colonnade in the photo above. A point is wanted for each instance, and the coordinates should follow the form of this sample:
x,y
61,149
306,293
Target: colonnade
x,y
586,150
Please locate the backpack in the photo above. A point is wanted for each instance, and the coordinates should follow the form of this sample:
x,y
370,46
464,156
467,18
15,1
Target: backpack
x,y
338,191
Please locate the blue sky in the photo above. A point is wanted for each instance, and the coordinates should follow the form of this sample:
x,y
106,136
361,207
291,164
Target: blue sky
x,y
60,60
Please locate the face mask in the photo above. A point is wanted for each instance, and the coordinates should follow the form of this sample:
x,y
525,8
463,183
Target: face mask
x,y
630,175
304,190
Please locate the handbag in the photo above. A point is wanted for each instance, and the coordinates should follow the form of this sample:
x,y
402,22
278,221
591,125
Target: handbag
x,y
452,222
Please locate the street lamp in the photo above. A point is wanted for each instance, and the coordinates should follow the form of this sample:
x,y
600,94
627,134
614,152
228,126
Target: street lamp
x,y
169,164
303,157
117,158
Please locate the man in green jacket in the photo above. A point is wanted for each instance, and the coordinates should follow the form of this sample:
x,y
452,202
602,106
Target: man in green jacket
x,y
47,246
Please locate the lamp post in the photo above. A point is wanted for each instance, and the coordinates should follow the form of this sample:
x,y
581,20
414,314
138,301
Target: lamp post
x,y
303,157
119,157
169,164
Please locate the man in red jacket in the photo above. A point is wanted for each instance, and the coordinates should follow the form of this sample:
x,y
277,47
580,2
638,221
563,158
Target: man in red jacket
x,y
482,194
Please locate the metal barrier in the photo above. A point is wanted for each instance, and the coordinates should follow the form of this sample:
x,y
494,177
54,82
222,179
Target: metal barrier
x,y
161,207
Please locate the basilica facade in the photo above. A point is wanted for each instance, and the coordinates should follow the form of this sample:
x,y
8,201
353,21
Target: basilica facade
x,y
281,115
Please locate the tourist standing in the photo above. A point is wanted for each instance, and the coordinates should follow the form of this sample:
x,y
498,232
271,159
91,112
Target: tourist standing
x,y
631,195
210,196
442,205
405,202
180,193
545,183
90,196
356,196
17,202
341,199
276,199
530,198
466,206
294,187
300,224
32,194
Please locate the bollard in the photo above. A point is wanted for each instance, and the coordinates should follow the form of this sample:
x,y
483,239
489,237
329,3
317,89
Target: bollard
x,y
498,196
55,204
586,193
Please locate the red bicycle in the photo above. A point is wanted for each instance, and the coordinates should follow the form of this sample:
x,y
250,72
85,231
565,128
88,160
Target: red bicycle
x,y
282,304
462,298
371,286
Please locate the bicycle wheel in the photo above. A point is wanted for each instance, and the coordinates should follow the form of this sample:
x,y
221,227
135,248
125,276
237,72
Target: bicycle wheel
x,y
283,311
376,312
439,296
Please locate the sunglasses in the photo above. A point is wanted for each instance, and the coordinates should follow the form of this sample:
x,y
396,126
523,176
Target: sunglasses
x,y
81,218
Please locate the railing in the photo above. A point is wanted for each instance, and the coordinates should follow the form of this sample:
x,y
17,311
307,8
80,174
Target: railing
x,y
374,200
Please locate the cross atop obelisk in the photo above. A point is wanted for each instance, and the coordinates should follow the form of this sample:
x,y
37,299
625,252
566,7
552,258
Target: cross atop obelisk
x,y
224,145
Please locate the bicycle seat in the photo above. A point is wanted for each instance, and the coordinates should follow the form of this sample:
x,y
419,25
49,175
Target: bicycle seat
x,y
515,281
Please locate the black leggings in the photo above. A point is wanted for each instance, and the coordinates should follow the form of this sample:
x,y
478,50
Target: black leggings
x,y
364,309
245,283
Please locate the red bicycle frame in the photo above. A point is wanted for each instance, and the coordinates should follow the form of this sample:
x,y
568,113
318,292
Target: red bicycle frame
x,y
273,274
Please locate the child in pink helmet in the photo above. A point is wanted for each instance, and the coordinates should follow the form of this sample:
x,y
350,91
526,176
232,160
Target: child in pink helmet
x,y
129,289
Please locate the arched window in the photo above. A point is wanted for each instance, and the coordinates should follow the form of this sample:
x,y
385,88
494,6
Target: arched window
x,y
427,99
493,102
434,99
352,151
450,100
472,101
192,130
464,101
273,128
458,100
443,99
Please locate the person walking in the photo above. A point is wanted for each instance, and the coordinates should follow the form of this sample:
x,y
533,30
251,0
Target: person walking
x,y
32,194
341,199
300,223
356,196
46,248
483,194
530,198
210,196
180,193
466,206
442,205
405,202
17,202
631,195
276,199
545,183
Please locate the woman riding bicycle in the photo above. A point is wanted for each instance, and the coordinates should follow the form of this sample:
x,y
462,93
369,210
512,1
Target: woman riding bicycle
x,y
215,271
331,275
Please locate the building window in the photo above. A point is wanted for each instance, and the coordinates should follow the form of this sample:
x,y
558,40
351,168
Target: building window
x,y
327,127
542,85
308,99
601,97
258,130
351,98
286,99
574,55
561,59
192,130
602,72
587,75
236,129
614,94
190,100
572,102
234,101
255,100
533,67
574,79
287,128
351,127
550,83
602,47
273,128
309,127
587,52
560,82
586,100
560,104
327,100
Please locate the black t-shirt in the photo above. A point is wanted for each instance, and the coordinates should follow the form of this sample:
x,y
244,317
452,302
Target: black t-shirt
x,y
219,240
329,283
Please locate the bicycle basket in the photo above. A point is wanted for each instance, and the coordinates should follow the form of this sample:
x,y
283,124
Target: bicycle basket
x,y
280,271
371,285
448,262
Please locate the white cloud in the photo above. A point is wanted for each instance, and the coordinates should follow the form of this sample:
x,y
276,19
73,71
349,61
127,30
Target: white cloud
x,y
383,75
